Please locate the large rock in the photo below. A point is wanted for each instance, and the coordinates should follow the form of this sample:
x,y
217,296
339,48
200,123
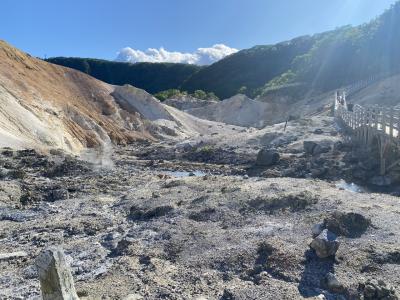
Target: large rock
x,y
317,147
377,289
267,157
325,244
56,282
347,224
309,146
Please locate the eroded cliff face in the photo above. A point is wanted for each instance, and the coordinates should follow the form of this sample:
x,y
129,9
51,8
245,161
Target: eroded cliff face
x,y
47,106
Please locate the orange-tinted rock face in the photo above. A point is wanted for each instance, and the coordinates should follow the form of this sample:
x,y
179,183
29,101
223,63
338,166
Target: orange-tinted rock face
x,y
48,106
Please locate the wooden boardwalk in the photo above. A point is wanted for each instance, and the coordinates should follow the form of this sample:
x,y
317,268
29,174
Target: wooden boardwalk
x,y
371,126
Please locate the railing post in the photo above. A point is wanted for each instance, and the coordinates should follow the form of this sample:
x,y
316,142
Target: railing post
x,y
383,120
398,125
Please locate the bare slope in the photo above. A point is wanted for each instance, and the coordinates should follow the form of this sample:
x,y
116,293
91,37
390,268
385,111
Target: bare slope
x,y
242,111
384,92
48,106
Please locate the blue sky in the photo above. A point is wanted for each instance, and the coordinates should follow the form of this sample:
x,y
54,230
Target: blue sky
x,y
100,28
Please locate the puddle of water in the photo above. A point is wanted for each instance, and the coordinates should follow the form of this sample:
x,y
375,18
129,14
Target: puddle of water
x,y
352,187
185,174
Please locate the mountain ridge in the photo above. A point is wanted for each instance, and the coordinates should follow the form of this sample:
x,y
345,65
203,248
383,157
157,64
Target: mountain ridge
x,y
152,77
320,62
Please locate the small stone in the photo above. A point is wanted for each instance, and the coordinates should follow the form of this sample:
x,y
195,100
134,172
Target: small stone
x,y
318,131
57,194
338,145
333,284
56,282
172,183
325,244
369,292
321,148
317,229
3,172
133,297
316,172
83,293
267,157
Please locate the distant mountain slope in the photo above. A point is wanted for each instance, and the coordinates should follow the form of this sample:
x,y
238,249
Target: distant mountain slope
x,y
250,68
152,77
317,63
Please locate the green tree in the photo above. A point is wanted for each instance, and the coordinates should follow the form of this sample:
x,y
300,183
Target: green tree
x,y
164,95
242,90
212,96
200,94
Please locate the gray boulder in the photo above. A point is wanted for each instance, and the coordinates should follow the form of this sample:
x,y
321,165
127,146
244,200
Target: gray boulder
x,y
309,146
56,282
317,147
322,148
325,244
267,157
349,224
377,289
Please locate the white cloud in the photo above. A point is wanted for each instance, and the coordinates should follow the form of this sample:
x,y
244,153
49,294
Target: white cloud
x,y
202,56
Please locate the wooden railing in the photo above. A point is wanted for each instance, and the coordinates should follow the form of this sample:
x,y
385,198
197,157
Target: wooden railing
x,y
372,125
378,119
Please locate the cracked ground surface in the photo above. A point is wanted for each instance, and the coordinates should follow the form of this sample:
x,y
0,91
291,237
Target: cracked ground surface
x,y
147,229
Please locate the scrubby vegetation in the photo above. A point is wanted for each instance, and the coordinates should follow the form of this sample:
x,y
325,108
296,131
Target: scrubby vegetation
x,y
175,93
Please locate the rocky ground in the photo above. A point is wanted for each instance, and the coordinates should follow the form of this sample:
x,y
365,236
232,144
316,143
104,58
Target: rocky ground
x,y
202,219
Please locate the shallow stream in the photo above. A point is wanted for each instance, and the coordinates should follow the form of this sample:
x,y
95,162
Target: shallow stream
x,y
185,173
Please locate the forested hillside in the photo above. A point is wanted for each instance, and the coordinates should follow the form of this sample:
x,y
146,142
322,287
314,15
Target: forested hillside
x,y
152,77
